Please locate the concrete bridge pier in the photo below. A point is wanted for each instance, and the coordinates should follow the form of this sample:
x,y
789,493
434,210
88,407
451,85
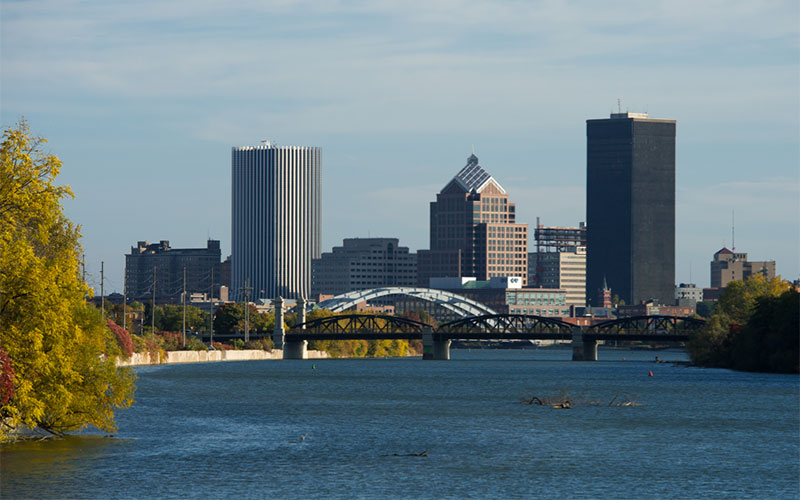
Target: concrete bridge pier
x,y
434,349
441,349
279,332
583,349
296,350
427,344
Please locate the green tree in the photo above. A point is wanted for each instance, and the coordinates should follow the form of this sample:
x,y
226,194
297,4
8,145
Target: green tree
x,y
227,317
170,318
62,353
714,344
770,340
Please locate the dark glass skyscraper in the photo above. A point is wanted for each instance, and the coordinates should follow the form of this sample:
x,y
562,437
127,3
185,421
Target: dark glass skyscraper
x,y
630,207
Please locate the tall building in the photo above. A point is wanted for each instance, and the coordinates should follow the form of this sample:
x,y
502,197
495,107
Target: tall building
x,y
157,265
361,264
728,266
560,261
630,207
473,231
276,216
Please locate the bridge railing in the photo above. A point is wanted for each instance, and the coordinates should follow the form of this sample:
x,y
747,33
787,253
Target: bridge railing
x,y
505,324
647,325
360,323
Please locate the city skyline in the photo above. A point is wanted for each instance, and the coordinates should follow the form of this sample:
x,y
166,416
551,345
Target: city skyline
x,y
142,103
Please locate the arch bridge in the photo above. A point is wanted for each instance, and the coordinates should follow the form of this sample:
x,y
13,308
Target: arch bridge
x,y
436,341
453,302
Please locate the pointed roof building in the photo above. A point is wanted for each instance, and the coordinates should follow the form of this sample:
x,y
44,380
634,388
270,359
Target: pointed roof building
x,y
473,230
473,178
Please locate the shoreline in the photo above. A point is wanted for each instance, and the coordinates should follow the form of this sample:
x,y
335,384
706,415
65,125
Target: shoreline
x,y
217,355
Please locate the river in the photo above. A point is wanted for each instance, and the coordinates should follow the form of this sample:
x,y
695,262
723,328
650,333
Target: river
x,y
353,428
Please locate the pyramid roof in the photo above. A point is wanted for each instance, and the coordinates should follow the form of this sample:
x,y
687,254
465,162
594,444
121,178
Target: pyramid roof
x,y
474,178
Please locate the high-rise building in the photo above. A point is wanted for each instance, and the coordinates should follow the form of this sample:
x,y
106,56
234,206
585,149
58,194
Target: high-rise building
x,y
276,217
728,266
560,261
630,207
157,265
362,264
473,231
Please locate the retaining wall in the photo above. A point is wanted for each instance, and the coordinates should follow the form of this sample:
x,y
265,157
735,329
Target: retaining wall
x,y
144,358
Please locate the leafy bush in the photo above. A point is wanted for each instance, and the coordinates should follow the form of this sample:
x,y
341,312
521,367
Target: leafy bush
x,y
123,338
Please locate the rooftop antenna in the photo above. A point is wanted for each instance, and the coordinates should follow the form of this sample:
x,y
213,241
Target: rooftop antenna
x,y
733,227
619,105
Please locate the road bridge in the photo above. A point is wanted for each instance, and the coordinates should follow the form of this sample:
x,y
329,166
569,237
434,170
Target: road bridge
x,y
458,304
436,341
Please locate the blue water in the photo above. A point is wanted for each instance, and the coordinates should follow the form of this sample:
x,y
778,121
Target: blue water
x,y
331,428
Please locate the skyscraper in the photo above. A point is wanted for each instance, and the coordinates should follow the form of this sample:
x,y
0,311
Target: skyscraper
x,y
630,207
276,212
473,231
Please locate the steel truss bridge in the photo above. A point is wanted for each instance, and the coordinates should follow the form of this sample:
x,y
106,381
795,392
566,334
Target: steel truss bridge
x,y
436,341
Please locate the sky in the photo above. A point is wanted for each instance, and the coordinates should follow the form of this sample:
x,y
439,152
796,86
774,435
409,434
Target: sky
x,y
142,101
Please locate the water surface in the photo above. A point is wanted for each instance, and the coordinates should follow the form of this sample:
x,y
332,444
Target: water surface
x,y
335,428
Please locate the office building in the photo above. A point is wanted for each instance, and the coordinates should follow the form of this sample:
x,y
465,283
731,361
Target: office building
x,y
156,265
561,270
505,295
688,294
559,261
630,207
276,210
362,264
729,265
473,231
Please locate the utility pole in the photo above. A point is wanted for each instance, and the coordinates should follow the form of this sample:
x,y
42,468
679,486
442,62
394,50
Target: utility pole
x,y
211,309
125,298
102,294
184,306
247,290
153,309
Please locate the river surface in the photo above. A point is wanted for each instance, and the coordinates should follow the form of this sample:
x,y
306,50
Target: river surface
x,y
351,428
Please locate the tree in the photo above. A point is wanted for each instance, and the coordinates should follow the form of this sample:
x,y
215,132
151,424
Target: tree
x,y
62,353
720,343
170,318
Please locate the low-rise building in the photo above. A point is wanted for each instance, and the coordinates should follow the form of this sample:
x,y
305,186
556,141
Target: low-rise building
x,y
362,264
505,295
651,308
688,294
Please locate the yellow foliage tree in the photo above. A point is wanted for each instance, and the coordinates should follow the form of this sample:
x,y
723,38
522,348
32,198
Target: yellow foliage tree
x,y
62,353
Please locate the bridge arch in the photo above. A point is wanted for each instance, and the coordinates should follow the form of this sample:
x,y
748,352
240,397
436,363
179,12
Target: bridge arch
x,y
458,304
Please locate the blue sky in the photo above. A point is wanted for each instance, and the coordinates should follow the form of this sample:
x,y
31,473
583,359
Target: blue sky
x,y
143,101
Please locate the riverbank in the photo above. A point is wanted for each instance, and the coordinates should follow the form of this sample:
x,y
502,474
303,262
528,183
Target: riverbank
x,y
174,357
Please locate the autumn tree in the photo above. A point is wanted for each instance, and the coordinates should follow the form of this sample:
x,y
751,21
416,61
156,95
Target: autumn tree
x,y
721,342
61,351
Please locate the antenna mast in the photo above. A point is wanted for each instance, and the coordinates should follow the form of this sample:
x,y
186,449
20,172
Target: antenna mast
x,y
733,234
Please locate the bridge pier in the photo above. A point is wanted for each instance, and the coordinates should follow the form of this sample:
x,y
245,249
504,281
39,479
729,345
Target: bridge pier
x,y
279,332
583,349
295,350
434,349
